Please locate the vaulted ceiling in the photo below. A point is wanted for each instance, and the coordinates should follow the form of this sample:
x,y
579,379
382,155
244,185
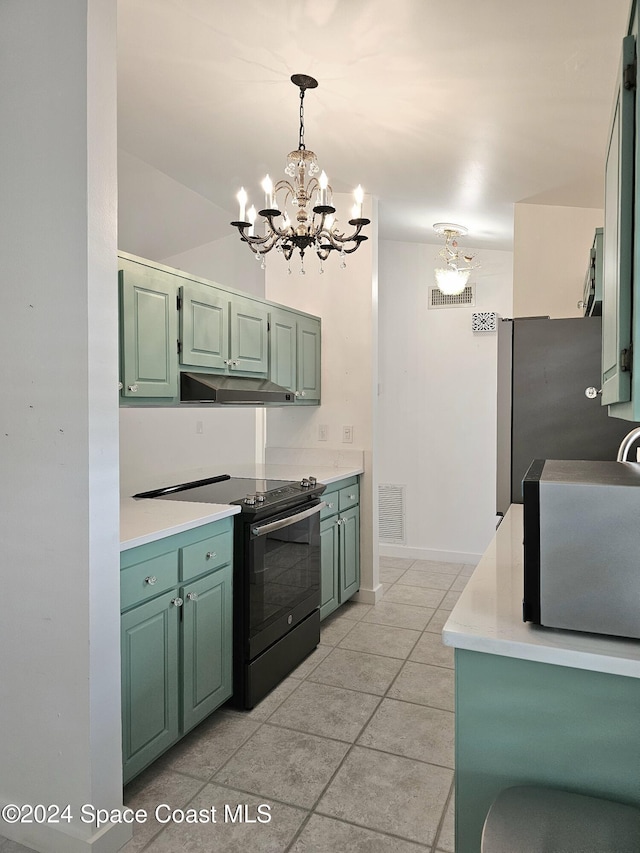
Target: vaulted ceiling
x,y
444,111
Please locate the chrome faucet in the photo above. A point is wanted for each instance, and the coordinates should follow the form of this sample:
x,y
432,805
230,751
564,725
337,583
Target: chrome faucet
x,y
625,444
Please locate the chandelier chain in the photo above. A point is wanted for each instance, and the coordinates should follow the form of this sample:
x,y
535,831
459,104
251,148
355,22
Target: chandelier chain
x,y
301,145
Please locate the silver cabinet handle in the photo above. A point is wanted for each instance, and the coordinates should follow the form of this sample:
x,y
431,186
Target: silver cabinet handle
x,y
330,506
192,596
296,394
338,521
133,388
120,386
177,602
303,393
592,392
211,555
227,361
151,579
352,497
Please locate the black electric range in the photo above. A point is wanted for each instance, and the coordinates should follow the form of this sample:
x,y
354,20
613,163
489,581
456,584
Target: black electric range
x,y
252,495
276,573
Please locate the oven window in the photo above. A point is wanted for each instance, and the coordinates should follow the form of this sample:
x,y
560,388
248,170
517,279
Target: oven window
x,y
284,573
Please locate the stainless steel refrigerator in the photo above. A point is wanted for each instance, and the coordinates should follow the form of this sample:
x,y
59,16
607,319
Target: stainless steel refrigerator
x,y
544,367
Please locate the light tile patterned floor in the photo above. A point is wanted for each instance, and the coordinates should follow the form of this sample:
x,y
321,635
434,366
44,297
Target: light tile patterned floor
x,y
353,751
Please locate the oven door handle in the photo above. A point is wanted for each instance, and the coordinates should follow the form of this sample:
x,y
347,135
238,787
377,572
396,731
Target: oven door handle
x,y
270,526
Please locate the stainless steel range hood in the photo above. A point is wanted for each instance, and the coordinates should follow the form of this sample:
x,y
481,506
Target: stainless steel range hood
x,y
234,390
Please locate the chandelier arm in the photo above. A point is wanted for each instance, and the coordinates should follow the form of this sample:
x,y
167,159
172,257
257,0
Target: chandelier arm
x,y
255,243
275,230
338,240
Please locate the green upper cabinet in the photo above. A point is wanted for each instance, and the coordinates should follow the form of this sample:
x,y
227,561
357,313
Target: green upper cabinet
x,y
592,297
222,331
294,358
249,351
171,322
149,332
618,267
204,326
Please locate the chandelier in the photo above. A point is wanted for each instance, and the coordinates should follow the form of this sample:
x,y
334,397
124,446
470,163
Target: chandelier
x,y
452,279
314,228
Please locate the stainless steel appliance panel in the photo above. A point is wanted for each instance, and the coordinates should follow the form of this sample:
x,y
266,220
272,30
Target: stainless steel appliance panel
x,y
544,367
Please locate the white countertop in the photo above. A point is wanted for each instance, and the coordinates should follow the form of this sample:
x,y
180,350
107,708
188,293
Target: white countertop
x,y
143,521
488,616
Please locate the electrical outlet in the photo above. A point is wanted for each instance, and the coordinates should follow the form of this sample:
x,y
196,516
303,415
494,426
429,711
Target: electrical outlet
x,y
323,432
199,427
347,434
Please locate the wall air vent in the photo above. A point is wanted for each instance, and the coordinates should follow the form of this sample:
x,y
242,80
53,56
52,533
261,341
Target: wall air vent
x,y
391,515
484,321
438,299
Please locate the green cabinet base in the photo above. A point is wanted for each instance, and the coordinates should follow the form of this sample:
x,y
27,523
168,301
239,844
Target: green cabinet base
x,y
176,636
520,722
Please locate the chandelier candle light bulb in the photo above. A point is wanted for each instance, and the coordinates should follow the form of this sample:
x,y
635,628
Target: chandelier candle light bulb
x,y
251,215
359,197
323,180
242,200
267,186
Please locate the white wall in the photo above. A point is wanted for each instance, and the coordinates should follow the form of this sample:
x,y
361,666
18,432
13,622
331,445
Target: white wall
x,y
551,255
227,261
162,446
346,300
60,738
437,403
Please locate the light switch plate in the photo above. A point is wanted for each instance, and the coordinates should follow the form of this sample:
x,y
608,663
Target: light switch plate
x,y
347,435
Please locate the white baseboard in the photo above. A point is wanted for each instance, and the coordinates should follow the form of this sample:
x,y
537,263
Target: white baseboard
x,y
369,596
429,554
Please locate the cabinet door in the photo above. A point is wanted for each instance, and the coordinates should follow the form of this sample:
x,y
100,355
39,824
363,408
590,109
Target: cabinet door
x,y
249,350
283,348
308,386
206,627
329,562
618,241
149,649
149,332
349,553
204,326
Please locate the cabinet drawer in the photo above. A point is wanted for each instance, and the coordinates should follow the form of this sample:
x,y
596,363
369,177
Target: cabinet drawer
x,y
348,497
205,555
147,579
331,508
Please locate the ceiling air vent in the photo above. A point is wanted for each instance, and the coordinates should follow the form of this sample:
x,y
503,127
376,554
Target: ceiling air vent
x,y
391,514
438,299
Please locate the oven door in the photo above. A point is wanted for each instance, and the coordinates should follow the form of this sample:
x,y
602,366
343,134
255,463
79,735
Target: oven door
x,y
284,573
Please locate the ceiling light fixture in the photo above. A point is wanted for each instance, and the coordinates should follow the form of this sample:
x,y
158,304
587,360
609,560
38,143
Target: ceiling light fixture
x,y
453,278
318,229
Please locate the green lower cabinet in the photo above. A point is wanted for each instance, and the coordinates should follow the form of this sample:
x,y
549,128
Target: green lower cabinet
x,y
521,722
349,553
150,682
340,545
206,653
176,639
329,566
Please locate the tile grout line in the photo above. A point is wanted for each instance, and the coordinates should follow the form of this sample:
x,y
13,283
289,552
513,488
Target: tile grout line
x,y
261,723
